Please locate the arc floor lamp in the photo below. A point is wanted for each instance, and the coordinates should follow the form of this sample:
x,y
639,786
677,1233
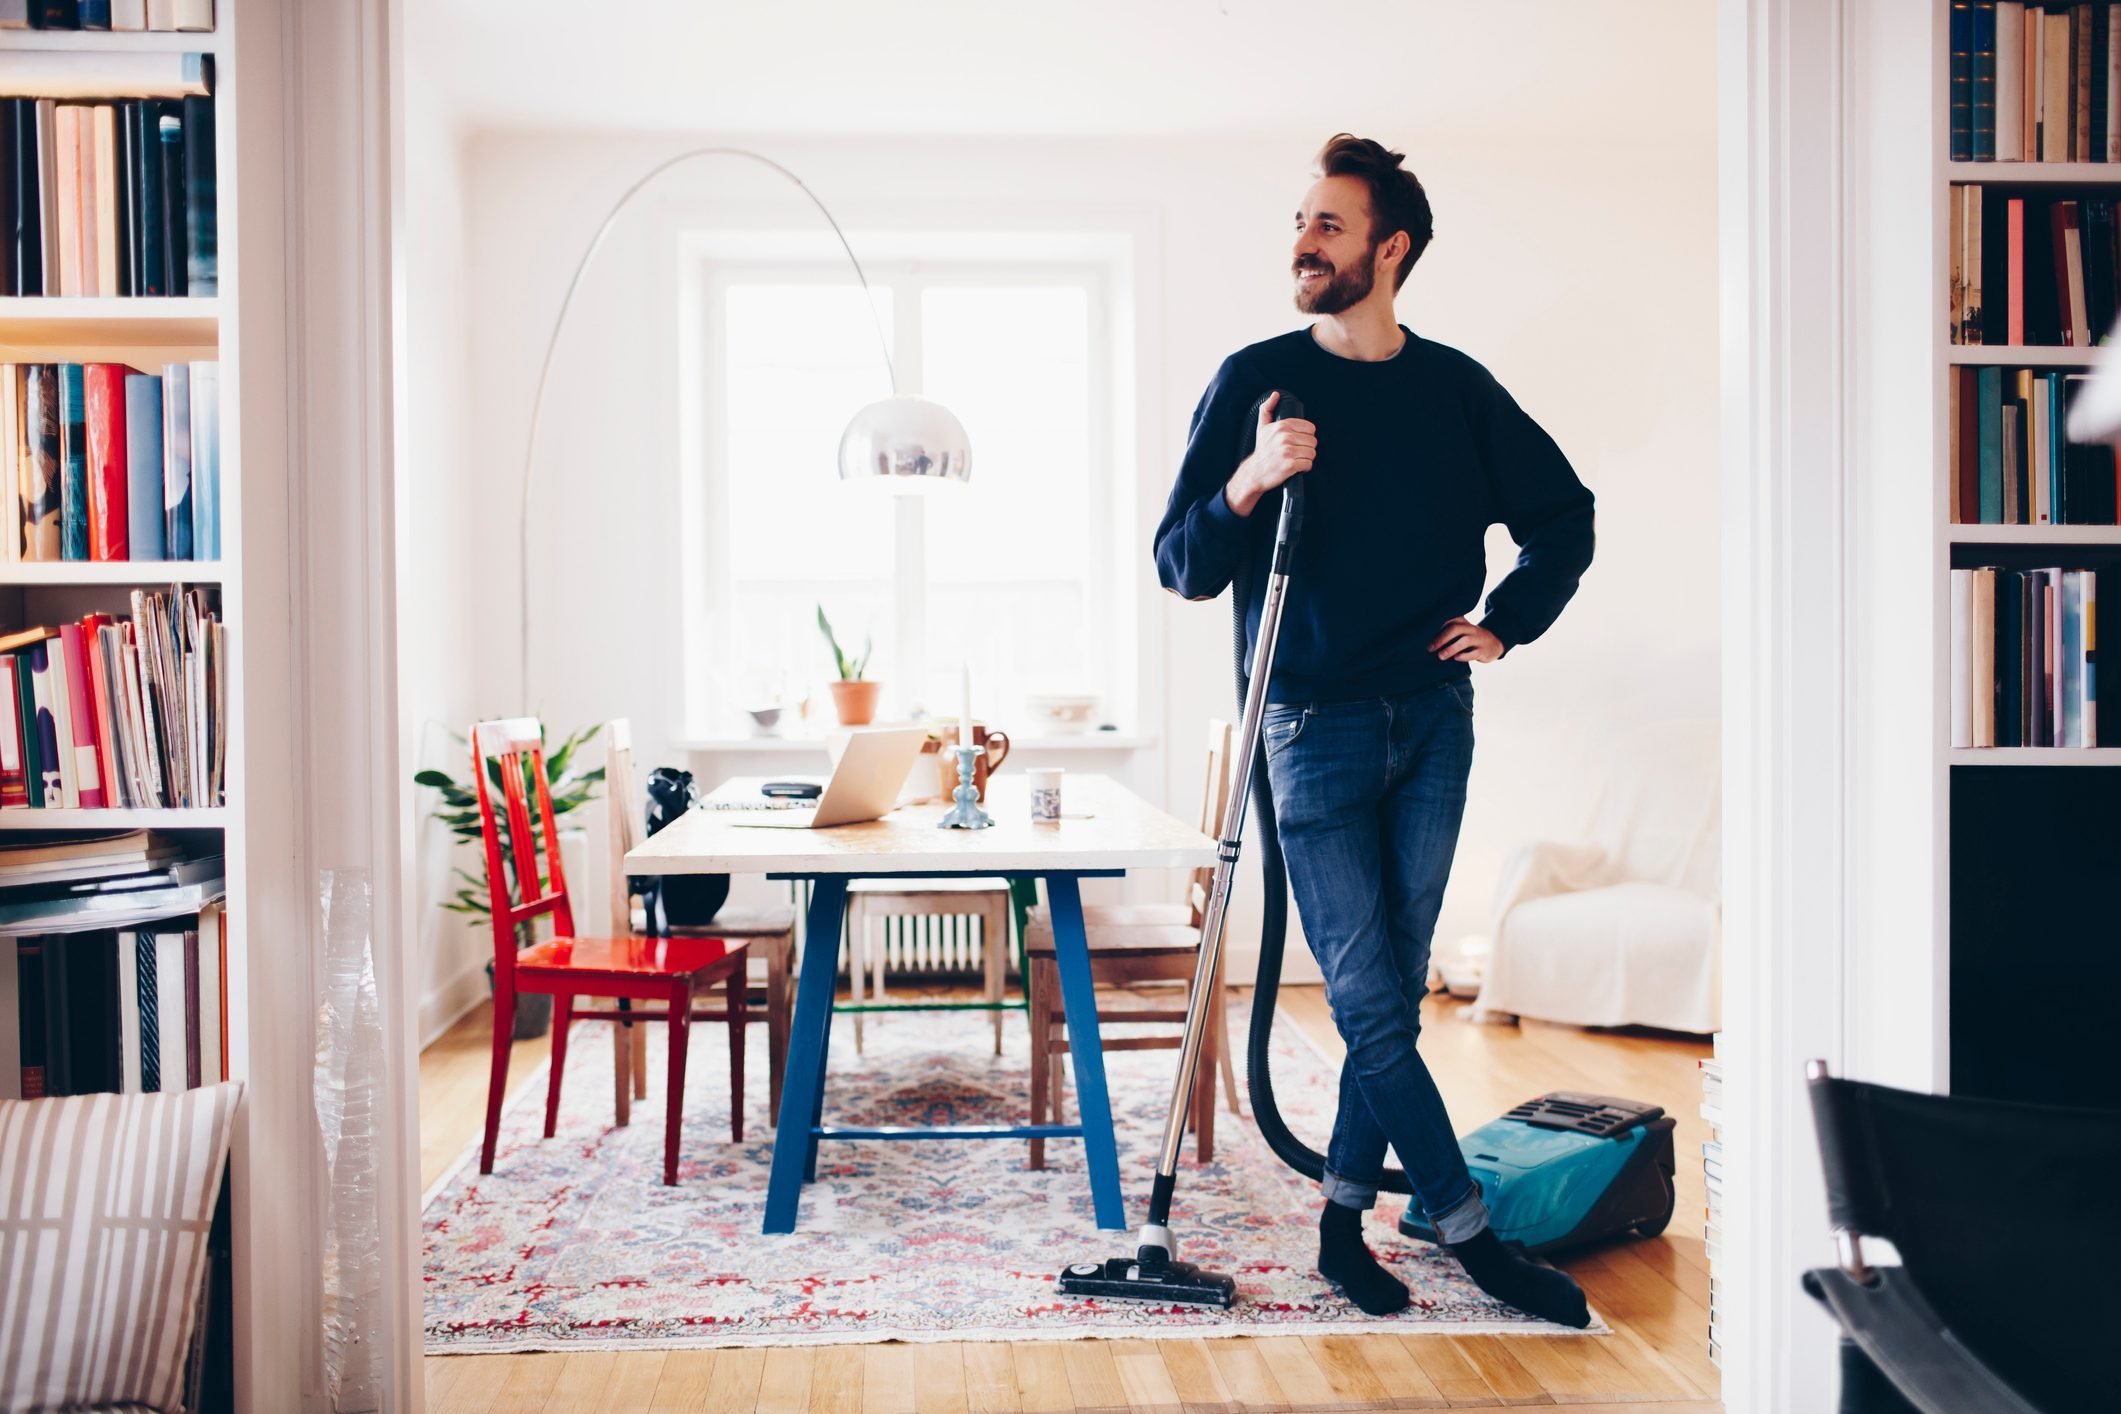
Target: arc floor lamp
x,y
903,440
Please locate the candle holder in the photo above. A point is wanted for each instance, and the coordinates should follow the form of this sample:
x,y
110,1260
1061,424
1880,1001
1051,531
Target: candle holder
x,y
966,814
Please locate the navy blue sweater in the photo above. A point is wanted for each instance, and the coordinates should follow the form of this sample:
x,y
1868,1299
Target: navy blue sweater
x,y
1418,455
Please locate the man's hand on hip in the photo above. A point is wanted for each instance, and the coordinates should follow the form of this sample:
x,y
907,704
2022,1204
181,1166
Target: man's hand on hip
x,y
1463,641
1280,450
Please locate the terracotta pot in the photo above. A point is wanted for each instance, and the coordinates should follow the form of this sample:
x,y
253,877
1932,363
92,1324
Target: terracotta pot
x,y
855,701
994,744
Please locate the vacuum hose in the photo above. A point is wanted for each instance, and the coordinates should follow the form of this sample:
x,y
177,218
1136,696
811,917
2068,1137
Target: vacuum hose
x,y
1273,932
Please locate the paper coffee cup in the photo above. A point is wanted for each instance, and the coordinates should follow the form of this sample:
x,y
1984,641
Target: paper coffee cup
x,y
1045,792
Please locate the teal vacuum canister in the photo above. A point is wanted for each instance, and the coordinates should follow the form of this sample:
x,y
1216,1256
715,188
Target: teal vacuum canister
x,y
1568,1169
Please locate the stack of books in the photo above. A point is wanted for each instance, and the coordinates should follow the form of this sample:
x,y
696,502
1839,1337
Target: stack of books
x,y
113,967
1712,1179
2011,461
107,714
2025,660
166,15
100,461
114,197
2032,269
2035,82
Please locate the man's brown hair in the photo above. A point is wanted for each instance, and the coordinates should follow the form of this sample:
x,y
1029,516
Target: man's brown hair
x,y
1397,202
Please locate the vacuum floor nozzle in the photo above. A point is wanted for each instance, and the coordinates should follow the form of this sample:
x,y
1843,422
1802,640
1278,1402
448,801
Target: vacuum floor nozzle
x,y
1129,1279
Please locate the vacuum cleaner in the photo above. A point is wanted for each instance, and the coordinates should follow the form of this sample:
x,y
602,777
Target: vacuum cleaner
x,y
1556,1171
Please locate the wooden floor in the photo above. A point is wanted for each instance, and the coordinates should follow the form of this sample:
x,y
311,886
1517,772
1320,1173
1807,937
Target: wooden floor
x,y
1654,1294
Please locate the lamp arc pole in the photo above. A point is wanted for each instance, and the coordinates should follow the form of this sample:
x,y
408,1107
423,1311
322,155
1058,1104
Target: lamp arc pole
x,y
552,343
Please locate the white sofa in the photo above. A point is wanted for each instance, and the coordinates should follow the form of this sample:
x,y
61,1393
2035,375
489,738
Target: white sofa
x,y
1622,926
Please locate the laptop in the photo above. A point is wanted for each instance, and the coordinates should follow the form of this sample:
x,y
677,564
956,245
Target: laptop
x,y
865,783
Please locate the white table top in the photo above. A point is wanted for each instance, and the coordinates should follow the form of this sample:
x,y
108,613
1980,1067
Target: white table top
x,y
1106,826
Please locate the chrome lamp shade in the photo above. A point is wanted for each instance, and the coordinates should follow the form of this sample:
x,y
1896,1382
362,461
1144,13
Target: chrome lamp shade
x,y
907,442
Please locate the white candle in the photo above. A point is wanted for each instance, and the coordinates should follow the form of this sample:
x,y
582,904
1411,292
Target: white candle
x,y
964,707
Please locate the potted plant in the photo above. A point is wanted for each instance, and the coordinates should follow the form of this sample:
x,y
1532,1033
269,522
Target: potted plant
x,y
458,808
853,698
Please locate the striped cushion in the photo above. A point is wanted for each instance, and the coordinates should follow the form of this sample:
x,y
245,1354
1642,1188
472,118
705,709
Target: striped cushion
x,y
105,1202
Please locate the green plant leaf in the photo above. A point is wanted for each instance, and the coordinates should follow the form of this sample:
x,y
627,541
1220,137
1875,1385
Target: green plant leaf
x,y
440,779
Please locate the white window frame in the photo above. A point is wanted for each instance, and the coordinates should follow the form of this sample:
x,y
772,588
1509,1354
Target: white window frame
x,y
1110,635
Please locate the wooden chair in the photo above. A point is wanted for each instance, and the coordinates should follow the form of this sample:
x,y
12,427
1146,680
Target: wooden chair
x,y
985,899
672,970
769,929
1133,944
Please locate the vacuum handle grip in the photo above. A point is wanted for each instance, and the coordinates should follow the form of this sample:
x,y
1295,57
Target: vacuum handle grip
x,y
1290,528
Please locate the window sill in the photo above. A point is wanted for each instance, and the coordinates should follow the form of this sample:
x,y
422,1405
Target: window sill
x,y
1082,742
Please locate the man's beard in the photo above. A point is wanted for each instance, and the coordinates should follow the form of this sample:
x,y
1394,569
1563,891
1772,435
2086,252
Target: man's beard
x,y
1342,290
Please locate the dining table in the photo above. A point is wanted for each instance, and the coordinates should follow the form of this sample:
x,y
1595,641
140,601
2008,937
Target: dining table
x,y
1105,831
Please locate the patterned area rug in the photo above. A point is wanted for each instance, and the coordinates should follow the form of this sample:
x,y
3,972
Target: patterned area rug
x,y
573,1242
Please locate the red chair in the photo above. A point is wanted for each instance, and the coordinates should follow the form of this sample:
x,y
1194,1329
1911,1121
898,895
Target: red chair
x,y
670,970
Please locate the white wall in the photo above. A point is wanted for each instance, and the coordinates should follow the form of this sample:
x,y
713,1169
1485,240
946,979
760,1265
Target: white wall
x,y
1580,267
437,602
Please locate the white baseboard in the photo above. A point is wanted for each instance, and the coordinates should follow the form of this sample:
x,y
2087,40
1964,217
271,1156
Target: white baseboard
x,y
445,1006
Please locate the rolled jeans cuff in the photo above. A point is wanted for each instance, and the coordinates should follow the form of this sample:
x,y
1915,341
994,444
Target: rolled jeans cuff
x,y
1350,1194
1463,1219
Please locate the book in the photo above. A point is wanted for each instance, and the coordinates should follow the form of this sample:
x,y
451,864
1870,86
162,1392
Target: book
x,y
67,152
169,128
94,14
1982,90
75,75
2058,80
109,519
81,712
128,14
2010,80
50,764
2014,256
143,466
73,464
192,16
1962,81
206,460
1989,402
32,737
10,1024
48,189
14,788
14,14
27,233
62,706
2111,58
176,462
29,993
202,242
12,413
149,204
40,470
55,14
103,195
1964,673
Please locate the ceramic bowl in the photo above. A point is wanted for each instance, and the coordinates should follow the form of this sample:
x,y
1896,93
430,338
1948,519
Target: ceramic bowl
x,y
1060,712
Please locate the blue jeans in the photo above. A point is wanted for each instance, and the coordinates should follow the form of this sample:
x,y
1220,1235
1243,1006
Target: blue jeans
x,y
1368,796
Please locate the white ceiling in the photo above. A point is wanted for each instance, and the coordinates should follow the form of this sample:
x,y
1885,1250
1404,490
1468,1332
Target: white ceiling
x,y
1065,68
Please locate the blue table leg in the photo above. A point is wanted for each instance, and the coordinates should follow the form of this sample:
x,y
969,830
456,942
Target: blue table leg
x,y
1071,955
803,1087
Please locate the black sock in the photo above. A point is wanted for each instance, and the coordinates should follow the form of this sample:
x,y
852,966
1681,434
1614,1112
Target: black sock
x,y
1345,1260
1535,1290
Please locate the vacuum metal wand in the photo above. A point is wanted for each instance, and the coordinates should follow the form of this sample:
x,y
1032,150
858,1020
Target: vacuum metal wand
x,y
1154,1273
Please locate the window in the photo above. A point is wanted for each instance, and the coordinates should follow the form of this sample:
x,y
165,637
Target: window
x,y
1007,575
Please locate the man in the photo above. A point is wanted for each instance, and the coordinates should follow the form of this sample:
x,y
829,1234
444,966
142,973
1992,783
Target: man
x,y
1410,450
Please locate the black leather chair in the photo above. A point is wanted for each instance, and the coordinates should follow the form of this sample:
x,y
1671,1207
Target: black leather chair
x,y
2007,1219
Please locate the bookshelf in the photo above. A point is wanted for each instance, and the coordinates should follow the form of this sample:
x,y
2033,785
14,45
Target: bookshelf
x,y
2029,832
147,333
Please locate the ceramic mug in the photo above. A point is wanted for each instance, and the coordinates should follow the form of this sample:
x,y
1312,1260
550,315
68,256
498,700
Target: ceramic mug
x,y
994,749
1045,792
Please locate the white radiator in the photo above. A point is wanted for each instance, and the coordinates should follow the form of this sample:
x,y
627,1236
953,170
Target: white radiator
x,y
944,943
